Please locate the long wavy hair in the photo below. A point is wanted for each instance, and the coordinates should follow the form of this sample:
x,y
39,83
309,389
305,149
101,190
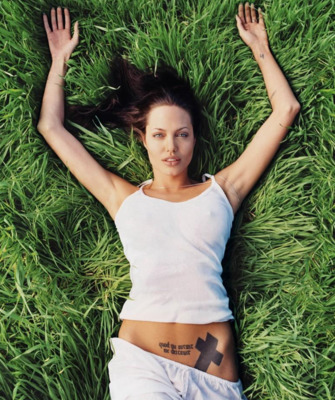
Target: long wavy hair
x,y
137,93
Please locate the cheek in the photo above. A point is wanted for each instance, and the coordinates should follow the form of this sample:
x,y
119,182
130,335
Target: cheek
x,y
190,149
153,149
153,152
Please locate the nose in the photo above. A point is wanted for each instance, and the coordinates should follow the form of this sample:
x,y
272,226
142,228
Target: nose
x,y
170,143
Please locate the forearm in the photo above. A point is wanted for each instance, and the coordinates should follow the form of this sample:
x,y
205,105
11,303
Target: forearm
x,y
52,110
280,94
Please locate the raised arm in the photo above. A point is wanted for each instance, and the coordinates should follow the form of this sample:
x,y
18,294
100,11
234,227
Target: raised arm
x,y
247,169
107,187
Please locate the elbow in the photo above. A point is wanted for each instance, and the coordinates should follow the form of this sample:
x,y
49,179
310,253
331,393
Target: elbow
x,y
41,127
290,109
295,107
44,127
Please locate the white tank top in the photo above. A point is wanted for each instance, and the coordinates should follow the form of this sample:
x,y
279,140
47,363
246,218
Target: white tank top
x,y
175,251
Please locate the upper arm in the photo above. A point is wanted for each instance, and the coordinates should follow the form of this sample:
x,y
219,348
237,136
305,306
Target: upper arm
x,y
104,185
247,169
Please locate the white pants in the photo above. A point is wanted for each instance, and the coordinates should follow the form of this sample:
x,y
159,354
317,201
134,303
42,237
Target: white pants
x,y
137,374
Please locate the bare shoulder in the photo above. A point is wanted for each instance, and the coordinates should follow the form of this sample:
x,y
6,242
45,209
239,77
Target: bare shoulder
x,y
122,189
227,186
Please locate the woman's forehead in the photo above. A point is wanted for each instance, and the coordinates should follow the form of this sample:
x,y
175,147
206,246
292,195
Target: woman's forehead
x,y
168,115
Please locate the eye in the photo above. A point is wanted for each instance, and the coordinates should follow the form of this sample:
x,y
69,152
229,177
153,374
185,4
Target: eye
x,y
157,135
183,134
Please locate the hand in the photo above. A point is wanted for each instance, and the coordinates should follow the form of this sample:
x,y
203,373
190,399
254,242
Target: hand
x,y
252,32
61,44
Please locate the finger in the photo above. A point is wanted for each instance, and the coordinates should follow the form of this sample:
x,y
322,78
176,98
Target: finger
x,y
46,24
247,12
53,19
59,18
75,37
253,13
241,13
67,18
240,25
261,19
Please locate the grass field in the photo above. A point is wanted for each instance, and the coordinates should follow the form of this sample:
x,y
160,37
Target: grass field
x,y
63,275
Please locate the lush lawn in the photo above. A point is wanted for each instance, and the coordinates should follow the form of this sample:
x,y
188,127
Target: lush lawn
x,y
63,274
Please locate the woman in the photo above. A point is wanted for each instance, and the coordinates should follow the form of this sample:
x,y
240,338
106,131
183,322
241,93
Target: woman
x,y
175,340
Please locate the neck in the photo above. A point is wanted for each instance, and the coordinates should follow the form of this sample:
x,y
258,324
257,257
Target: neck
x,y
171,183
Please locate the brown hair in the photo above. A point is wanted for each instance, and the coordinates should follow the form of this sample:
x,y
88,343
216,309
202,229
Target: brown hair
x,y
137,92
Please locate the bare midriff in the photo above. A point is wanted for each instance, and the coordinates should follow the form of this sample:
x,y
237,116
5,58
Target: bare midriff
x,y
209,347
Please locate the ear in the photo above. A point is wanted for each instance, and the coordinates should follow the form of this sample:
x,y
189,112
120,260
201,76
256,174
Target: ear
x,y
143,140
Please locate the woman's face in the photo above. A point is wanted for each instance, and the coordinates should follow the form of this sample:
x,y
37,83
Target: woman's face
x,y
169,139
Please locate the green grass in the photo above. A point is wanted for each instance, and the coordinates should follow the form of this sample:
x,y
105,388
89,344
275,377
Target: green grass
x,y
63,274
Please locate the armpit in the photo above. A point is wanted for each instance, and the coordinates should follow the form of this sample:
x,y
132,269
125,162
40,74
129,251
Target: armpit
x,y
230,191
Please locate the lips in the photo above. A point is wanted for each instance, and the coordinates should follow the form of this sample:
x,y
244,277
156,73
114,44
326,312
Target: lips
x,y
171,161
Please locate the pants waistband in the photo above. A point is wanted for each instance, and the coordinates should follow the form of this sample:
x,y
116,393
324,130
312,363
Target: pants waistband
x,y
118,344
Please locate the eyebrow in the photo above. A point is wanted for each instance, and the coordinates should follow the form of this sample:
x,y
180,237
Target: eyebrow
x,y
160,129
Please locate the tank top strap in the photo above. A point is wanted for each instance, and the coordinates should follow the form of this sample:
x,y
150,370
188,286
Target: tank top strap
x,y
147,182
206,175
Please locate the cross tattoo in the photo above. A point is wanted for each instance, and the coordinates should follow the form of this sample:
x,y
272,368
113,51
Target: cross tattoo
x,y
208,352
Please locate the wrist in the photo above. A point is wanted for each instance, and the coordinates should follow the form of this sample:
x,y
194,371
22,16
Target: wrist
x,y
58,70
59,63
261,50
